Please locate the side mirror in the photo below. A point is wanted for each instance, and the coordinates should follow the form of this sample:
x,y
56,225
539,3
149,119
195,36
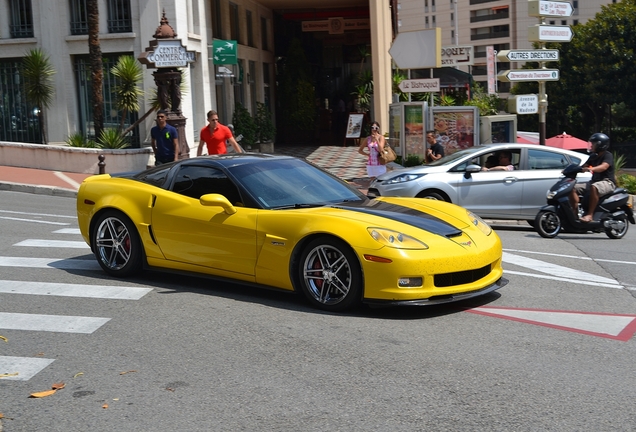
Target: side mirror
x,y
472,168
217,200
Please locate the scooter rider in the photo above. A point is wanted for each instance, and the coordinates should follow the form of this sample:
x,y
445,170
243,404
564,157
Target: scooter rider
x,y
601,165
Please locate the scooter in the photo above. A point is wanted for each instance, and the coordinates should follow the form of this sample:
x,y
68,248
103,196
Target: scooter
x,y
612,215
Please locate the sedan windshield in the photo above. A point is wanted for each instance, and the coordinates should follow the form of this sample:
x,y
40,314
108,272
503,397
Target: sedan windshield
x,y
455,156
292,183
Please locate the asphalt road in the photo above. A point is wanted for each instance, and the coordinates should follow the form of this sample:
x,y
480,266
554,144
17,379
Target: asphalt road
x,y
551,351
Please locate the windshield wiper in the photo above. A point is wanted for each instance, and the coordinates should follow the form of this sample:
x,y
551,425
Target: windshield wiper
x,y
298,206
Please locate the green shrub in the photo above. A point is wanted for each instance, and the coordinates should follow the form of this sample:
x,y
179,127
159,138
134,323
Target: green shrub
x,y
412,160
112,139
628,182
244,125
265,128
79,140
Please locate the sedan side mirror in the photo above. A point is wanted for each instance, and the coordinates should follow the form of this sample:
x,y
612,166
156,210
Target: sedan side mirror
x,y
472,168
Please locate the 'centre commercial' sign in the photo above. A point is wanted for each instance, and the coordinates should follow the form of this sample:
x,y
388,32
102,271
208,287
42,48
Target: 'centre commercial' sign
x,y
168,54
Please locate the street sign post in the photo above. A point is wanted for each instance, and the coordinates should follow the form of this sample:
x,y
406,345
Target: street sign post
x,y
528,55
539,8
523,75
420,85
546,33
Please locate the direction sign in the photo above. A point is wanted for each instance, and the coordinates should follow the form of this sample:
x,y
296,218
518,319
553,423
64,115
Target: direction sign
x,y
418,49
528,55
539,8
523,104
419,85
528,75
546,33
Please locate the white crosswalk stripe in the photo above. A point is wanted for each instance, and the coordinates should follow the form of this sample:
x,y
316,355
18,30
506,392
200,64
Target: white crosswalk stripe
x,y
21,368
73,290
14,368
50,323
53,243
65,264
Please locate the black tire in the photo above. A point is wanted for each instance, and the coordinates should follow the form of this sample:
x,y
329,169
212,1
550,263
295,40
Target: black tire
x,y
617,234
431,195
329,274
547,224
116,244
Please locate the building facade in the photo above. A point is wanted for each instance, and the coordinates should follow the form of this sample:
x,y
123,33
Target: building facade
x,y
60,27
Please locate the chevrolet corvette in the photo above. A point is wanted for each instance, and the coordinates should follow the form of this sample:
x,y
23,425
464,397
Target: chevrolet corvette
x,y
281,222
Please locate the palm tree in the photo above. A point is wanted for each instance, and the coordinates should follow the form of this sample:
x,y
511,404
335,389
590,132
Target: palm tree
x,y
129,73
97,73
38,84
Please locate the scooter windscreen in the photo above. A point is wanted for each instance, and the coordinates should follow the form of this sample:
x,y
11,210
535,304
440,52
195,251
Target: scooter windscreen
x,y
572,170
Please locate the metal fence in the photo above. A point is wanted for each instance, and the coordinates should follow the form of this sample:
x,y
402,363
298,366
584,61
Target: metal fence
x,y
18,120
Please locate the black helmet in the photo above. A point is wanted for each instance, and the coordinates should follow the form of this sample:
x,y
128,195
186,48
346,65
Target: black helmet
x,y
600,141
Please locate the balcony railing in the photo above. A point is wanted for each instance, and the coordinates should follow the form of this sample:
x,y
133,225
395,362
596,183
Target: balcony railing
x,y
490,17
491,35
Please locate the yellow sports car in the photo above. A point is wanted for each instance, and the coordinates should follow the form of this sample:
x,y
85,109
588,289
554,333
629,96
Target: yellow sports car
x,y
281,222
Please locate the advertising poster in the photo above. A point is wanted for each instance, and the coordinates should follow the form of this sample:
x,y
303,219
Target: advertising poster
x,y
395,126
414,129
354,125
454,129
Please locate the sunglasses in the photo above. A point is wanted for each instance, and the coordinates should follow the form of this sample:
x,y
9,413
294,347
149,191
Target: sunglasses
x,y
375,128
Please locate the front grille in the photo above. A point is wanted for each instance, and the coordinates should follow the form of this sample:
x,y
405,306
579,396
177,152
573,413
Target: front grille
x,y
462,277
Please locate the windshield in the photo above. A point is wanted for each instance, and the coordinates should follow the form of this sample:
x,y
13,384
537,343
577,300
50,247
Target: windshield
x,y
455,156
284,183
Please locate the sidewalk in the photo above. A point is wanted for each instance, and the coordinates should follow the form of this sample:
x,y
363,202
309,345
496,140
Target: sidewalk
x,y
344,162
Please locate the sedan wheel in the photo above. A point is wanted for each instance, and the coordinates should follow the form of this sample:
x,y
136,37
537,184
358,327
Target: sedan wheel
x,y
116,244
431,195
547,224
330,275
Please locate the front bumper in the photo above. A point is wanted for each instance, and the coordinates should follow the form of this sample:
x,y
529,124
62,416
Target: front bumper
x,y
435,300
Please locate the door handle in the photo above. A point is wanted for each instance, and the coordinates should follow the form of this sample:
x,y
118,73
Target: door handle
x,y
510,179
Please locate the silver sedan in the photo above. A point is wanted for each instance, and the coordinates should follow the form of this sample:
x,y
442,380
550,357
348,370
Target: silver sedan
x,y
462,178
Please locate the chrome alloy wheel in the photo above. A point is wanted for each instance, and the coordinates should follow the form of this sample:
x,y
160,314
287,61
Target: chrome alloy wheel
x,y
113,243
327,275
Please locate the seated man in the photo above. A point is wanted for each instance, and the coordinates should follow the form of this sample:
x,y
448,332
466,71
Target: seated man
x,y
504,163
601,165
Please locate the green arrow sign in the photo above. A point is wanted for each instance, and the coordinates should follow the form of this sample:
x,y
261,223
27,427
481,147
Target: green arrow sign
x,y
224,52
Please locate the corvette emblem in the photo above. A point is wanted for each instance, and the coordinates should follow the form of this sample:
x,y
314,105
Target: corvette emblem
x,y
468,243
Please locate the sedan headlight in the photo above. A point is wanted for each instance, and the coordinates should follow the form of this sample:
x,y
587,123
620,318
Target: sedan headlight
x,y
479,223
395,239
403,178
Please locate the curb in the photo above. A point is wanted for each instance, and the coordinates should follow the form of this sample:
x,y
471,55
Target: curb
x,y
38,190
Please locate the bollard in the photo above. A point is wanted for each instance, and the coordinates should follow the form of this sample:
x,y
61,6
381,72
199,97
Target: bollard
x,y
102,164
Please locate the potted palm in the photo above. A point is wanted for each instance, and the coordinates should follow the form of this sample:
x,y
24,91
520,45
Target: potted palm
x,y
265,129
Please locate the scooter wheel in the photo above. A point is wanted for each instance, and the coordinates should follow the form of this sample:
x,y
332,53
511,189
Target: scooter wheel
x,y
547,224
617,233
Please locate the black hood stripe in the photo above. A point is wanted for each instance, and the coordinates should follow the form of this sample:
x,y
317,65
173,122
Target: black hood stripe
x,y
405,215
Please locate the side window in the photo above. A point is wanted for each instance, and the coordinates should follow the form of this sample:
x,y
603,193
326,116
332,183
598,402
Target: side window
x,y
155,177
542,160
194,181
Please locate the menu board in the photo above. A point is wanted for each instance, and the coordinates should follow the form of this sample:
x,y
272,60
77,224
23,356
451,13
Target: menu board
x,y
454,127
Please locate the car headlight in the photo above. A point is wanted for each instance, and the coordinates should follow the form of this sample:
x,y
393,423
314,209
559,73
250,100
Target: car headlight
x,y
395,239
479,223
403,178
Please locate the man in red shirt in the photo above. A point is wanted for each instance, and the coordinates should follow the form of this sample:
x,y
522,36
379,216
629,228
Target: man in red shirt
x,y
214,136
